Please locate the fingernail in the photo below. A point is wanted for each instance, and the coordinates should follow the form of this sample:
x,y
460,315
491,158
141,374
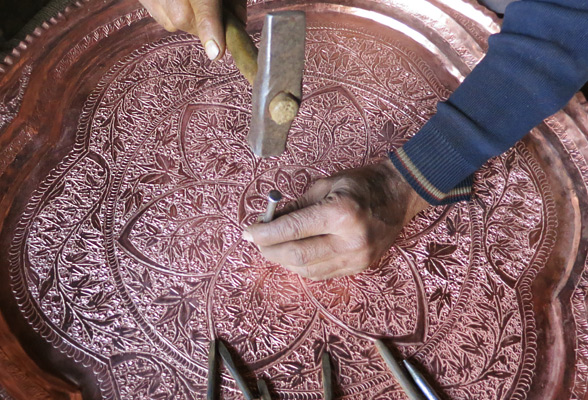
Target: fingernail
x,y
247,236
211,49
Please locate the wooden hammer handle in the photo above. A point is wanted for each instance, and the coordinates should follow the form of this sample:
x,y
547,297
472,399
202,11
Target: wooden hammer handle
x,y
241,46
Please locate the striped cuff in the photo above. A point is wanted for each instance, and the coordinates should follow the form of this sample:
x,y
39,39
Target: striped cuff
x,y
424,187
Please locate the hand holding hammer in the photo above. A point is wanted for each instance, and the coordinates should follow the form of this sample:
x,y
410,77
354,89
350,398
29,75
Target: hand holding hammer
x,y
275,74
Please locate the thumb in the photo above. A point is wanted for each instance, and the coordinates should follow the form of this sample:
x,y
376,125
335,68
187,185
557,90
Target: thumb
x,y
209,25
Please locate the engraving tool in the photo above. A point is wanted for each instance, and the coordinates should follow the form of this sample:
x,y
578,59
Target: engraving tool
x,y
421,382
402,377
230,364
273,198
263,390
327,376
217,346
211,384
276,75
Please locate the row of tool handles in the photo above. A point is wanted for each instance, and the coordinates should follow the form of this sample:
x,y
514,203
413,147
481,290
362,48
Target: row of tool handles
x,y
412,382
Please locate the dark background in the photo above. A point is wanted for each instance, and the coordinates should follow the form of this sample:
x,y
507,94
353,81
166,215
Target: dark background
x,y
14,14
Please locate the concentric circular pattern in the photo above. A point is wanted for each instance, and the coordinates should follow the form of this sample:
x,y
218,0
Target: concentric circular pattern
x,y
129,256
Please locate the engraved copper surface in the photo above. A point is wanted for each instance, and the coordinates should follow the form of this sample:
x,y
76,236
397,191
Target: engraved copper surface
x,y
127,179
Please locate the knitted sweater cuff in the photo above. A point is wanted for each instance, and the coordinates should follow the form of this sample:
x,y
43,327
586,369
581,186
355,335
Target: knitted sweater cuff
x,y
434,168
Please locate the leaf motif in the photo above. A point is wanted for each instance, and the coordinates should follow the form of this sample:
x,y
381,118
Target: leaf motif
x,y
152,229
33,276
96,299
146,279
128,205
95,220
510,160
126,331
500,291
90,181
81,282
155,178
138,196
510,340
56,192
436,294
154,385
288,308
477,326
88,329
47,284
487,307
499,374
77,257
319,348
436,267
163,162
185,313
67,319
470,349
167,299
236,310
507,317
534,236
438,368
439,307
118,144
169,314
440,249
106,322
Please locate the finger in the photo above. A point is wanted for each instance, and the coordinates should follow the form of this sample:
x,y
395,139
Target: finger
x,y
181,15
300,224
303,252
209,26
334,268
317,192
158,14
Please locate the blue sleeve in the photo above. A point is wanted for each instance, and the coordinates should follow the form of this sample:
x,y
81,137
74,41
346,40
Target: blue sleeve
x,y
533,67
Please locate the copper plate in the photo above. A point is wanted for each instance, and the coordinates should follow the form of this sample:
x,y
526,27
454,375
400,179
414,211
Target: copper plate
x,y
126,181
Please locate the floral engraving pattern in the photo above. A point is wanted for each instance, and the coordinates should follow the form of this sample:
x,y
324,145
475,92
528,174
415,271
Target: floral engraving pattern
x,y
130,251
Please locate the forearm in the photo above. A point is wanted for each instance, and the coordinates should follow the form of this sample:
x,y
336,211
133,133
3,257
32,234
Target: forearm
x,y
532,69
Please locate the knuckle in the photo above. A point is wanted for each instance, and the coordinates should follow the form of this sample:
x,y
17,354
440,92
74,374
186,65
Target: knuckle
x,y
293,227
363,262
298,257
182,20
313,274
322,183
204,16
347,211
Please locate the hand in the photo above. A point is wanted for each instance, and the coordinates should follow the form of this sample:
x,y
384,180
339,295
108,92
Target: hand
x,y
203,18
341,225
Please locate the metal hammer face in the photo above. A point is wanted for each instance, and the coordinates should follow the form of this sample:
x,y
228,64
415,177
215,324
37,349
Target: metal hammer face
x,y
277,89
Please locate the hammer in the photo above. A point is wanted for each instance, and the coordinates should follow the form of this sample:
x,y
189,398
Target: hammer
x,y
275,74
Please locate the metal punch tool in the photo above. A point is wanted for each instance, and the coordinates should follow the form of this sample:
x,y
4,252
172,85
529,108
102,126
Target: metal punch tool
x,y
275,72
410,379
217,347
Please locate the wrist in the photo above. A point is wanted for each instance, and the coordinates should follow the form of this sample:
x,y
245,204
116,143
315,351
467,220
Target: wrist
x,y
413,201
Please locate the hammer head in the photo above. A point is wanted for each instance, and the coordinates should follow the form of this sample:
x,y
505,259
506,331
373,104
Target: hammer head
x,y
277,89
